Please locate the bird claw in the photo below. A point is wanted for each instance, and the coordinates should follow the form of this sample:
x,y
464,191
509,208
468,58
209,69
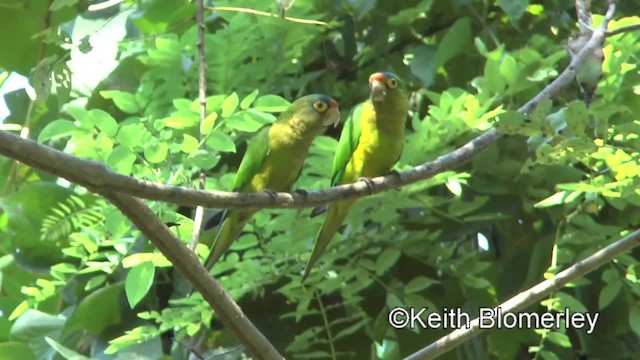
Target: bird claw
x,y
395,174
303,192
370,184
272,194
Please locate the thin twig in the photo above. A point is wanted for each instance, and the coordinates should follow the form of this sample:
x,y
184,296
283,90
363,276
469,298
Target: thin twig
x,y
623,29
543,289
104,5
326,323
202,96
533,295
264,13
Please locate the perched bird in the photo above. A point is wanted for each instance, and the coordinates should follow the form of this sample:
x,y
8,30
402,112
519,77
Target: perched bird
x,y
370,144
274,159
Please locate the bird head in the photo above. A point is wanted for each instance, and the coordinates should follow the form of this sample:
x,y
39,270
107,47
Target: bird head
x,y
382,84
326,108
316,110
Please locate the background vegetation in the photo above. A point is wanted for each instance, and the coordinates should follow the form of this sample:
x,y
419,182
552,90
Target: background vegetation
x,y
119,86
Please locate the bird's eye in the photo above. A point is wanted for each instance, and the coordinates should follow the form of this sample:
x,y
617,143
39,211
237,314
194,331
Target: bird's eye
x,y
392,83
320,106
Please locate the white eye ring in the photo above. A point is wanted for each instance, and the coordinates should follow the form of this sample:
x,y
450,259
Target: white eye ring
x,y
320,106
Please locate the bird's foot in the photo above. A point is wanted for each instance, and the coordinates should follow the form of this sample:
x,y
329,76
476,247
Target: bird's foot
x,y
396,175
371,186
303,192
272,194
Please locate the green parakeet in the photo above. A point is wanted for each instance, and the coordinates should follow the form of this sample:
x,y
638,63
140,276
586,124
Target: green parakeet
x,y
274,159
370,144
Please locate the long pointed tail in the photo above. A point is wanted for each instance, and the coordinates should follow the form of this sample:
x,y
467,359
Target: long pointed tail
x,y
229,230
335,216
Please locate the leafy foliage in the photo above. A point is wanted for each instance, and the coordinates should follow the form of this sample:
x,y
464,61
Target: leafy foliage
x,y
78,281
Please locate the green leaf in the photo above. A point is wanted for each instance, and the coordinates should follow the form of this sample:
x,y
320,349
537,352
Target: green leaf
x,y
156,152
103,121
207,125
393,301
62,77
229,105
124,101
189,144
634,319
418,284
121,160
577,117
454,186
559,338
180,121
423,63
249,99
456,41
138,282
351,329
59,4
203,159
567,301
271,103
64,351
514,8
509,70
130,135
242,122
547,355
492,77
608,293
95,281
221,142
87,315
214,103
33,326
57,128
553,200
18,350
386,260
259,116
407,16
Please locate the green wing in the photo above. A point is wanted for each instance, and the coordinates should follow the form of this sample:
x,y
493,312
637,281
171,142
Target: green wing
x,y
347,144
254,157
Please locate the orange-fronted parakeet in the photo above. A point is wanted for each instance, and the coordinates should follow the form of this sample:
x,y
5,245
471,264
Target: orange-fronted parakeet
x,y
274,159
370,144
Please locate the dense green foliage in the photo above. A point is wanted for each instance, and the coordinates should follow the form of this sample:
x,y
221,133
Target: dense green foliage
x,y
75,277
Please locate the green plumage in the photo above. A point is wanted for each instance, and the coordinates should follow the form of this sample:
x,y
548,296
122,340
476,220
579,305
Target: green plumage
x,y
274,159
370,144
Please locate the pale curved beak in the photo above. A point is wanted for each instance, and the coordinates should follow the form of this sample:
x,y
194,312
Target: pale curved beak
x,y
378,90
332,117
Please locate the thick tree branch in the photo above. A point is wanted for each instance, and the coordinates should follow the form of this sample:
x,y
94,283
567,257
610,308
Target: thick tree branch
x,y
186,262
545,288
97,177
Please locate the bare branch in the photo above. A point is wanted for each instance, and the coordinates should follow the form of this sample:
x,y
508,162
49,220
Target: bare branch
x,y
98,177
623,30
533,295
263,13
545,288
186,262
202,95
